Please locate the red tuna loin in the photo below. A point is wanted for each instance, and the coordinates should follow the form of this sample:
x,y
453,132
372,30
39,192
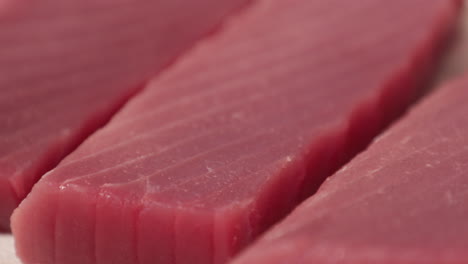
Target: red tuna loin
x,y
209,155
401,201
68,65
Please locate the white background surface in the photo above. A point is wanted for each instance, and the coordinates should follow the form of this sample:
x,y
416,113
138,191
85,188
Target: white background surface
x,y
7,253
455,63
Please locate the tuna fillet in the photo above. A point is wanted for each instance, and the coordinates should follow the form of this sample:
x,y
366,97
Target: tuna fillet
x,y
401,201
233,136
68,65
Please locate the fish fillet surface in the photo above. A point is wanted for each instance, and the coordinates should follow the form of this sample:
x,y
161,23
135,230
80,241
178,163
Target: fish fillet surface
x,y
68,65
233,136
401,201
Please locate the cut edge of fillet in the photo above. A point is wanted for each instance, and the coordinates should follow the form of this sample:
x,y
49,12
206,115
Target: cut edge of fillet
x,y
22,182
377,112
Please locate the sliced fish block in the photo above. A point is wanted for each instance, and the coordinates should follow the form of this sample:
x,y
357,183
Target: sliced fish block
x,y
68,65
401,201
232,137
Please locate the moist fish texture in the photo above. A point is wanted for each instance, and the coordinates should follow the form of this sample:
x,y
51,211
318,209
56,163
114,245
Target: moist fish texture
x,y
401,201
228,140
68,65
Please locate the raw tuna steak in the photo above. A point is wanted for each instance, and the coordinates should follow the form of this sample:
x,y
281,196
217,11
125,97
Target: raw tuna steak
x,y
401,201
219,147
68,65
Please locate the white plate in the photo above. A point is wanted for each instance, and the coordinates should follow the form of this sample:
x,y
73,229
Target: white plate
x,y
7,252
